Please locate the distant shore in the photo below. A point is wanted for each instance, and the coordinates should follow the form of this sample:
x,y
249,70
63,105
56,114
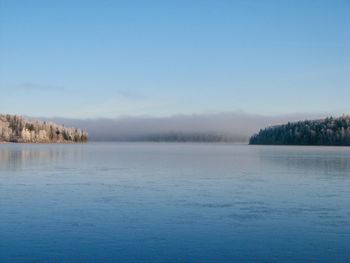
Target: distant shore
x,y
325,132
16,129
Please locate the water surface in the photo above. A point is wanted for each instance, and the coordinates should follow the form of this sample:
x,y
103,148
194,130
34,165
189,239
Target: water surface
x,y
143,202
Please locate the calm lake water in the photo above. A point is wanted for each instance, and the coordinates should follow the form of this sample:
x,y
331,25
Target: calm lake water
x,y
134,202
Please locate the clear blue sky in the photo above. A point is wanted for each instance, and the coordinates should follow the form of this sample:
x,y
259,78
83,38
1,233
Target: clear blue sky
x,y
111,58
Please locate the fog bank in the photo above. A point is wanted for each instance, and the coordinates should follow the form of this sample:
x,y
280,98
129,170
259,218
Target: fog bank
x,y
233,127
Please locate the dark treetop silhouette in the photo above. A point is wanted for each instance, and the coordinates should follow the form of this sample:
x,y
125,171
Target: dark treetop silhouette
x,y
329,131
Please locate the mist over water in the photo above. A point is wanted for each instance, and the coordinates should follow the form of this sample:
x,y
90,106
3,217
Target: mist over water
x,y
229,127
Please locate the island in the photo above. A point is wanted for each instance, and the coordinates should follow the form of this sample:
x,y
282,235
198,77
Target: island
x,y
14,128
329,131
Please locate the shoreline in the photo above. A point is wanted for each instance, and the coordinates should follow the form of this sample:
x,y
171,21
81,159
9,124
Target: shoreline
x,y
43,142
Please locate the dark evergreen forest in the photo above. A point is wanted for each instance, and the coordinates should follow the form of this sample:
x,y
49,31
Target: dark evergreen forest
x,y
329,131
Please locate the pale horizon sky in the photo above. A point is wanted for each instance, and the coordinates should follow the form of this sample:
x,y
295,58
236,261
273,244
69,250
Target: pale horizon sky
x,y
88,59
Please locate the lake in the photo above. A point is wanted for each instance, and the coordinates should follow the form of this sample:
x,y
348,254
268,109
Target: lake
x,y
149,202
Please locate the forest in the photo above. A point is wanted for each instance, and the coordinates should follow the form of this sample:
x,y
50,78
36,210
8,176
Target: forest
x,y
180,137
328,131
14,128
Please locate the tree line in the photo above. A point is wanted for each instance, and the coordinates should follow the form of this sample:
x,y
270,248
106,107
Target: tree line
x,y
181,137
14,128
329,131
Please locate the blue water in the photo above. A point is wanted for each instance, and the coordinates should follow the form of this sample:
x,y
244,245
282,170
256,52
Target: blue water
x,y
131,202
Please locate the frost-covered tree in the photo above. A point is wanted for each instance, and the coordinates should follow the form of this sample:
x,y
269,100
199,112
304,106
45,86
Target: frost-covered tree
x,y
329,131
15,128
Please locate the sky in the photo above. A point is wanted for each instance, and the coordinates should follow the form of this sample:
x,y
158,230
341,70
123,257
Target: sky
x,y
92,59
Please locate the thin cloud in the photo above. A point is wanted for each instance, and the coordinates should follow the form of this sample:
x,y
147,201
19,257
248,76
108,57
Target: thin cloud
x,y
29,86
126,94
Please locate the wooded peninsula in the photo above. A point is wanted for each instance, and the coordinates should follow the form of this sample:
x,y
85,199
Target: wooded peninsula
x,y
329,131
15,128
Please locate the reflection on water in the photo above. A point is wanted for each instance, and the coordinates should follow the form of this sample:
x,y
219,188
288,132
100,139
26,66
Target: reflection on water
x,y
17,156
122,202
323,159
